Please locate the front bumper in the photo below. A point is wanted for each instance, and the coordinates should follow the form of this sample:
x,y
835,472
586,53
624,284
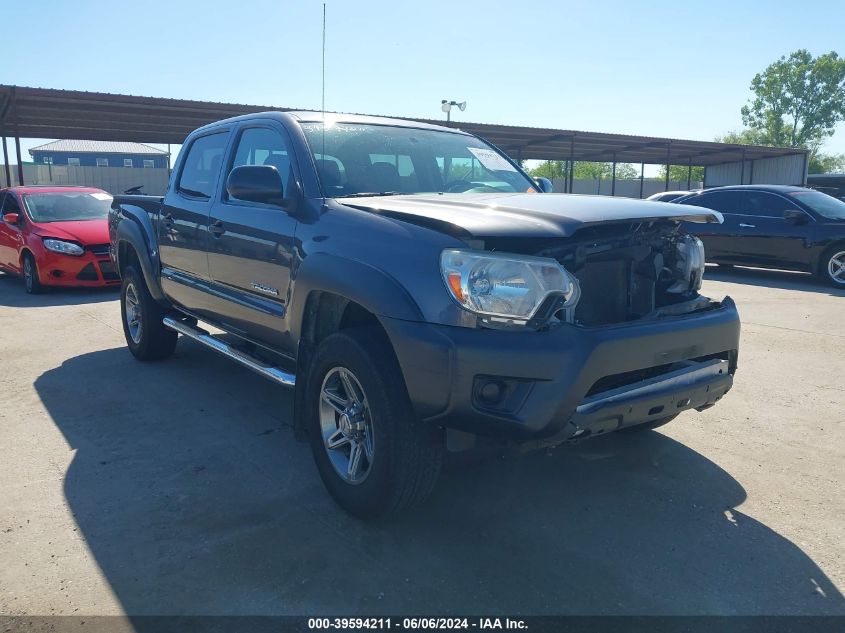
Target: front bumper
x,y
86,270
569,382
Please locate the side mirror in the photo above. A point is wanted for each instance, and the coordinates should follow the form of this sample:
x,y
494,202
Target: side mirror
x,y
794,216
256,183
11,218
545,184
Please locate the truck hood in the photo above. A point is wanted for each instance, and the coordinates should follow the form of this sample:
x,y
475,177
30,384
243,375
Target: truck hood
x,y
523,214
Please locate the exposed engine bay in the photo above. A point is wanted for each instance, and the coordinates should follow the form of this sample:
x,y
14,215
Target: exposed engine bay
x,y
625,272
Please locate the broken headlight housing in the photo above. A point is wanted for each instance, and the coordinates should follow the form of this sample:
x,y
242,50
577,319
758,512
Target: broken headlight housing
x,y
689,265
506,286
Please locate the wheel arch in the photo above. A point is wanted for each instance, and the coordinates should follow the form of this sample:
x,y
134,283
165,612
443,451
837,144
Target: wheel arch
x,y
824,258
134,244
326,313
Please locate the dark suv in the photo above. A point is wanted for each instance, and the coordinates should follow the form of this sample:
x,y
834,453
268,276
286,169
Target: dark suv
x,y
420,293
775,226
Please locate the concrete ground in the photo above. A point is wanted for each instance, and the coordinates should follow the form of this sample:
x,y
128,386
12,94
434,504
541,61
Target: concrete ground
x,y
177,488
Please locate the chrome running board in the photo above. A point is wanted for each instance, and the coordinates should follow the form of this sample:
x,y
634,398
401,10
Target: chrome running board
x,y
258,366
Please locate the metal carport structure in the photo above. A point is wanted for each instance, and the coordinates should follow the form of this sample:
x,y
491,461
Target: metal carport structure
x,y
68,114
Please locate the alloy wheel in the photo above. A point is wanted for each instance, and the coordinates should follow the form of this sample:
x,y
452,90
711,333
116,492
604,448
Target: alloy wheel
x,y
836,267
132,313
346,425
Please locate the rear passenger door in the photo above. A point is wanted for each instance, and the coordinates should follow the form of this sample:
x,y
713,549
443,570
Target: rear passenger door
x,y
251,244
183,226
720,240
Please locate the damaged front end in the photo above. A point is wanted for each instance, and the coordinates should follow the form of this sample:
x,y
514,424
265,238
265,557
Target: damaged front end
x,y
625,272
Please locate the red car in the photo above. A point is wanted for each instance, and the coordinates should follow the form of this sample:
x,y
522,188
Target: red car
x,y
56,236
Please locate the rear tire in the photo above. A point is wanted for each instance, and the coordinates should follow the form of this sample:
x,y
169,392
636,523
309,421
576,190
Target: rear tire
x,y
145,333
358,403
648,426
31,282
831,261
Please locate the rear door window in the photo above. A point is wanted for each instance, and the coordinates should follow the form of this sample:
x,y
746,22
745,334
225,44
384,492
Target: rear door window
x,y
202,166
730,202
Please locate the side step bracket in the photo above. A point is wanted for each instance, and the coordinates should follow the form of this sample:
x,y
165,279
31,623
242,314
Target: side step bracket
x,y
258,366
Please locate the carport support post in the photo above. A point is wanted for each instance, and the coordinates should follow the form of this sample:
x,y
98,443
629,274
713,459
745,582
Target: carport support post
x,y
689,174
571,162
20,164
668,154
742,170
6,163
613,178
642,176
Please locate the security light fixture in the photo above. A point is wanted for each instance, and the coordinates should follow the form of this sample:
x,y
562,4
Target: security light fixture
x,y
446,106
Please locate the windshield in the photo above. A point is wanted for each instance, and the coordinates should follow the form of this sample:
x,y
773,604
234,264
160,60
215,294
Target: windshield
x,y
356,159
822,203
67,207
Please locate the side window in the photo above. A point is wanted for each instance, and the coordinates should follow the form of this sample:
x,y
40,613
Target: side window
x,y
10,205
202,165
729,202
263,146
762,203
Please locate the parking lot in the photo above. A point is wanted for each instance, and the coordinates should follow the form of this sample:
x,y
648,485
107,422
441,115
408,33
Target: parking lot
x,y
177,488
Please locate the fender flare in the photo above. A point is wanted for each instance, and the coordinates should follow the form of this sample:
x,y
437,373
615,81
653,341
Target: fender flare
x,y
136,229
372,288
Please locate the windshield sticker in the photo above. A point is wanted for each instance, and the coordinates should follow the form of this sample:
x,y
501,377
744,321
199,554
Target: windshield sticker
x,y
104,196
491,160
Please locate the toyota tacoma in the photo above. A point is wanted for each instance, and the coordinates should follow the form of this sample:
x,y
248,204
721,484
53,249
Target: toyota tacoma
x,y
420,293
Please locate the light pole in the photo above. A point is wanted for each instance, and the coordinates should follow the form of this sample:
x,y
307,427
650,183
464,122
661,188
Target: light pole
x,y
446,106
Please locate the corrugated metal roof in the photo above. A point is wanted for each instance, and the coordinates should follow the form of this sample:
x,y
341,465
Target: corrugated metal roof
x,y
49,113
97,147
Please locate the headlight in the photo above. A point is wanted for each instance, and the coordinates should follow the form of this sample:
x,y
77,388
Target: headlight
x,y
66,248
689,264
512,286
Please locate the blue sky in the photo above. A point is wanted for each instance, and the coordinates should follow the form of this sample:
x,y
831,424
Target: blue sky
x,y
656,68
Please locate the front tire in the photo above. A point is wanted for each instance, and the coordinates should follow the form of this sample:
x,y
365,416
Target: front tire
x,y
31,281
373,454
832,266
146,335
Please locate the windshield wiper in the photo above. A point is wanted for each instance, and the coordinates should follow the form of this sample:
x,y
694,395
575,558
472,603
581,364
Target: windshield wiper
x,y
370,194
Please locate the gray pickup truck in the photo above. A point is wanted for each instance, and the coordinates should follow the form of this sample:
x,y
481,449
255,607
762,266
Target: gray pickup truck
x,y
420,293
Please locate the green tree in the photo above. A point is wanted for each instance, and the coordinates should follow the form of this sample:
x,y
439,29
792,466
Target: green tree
x,y
604,171
680,173
585,170
826,163
551,169
742,137
798,100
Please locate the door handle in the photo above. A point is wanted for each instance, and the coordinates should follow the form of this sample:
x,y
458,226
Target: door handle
x,y
217,229
747,226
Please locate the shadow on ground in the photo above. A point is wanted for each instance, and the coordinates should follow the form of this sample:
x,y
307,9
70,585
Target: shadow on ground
x,y
782,279
13,295
194,498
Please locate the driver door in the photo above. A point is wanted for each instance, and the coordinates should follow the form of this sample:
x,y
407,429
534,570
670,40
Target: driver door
x,y
11,235
251,245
